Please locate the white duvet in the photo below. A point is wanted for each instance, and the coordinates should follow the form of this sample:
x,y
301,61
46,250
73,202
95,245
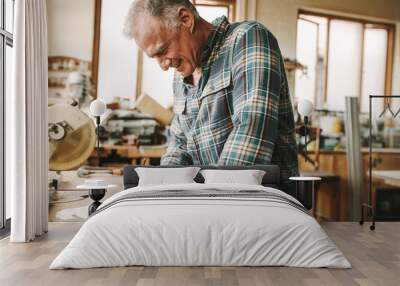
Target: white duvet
x,y
200,231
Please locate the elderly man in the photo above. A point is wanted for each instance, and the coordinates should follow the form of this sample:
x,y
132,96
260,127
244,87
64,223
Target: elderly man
x,y
231,98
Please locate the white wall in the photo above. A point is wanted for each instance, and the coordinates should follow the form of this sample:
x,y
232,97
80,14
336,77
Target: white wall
x,y
70,28
118,55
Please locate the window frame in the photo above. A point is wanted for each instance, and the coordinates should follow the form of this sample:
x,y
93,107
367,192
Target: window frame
x,y
230,4
389,27
6,39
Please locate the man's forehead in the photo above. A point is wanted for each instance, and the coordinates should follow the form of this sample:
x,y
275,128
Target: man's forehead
x,y
151,43
151,35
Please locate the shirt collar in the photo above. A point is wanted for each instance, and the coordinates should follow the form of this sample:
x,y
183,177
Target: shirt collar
x,y
214,39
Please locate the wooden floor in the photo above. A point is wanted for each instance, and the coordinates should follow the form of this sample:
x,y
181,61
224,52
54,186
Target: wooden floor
x,y
375,257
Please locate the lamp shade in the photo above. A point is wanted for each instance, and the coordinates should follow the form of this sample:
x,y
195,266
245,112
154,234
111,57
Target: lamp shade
x,y
97,107
305,107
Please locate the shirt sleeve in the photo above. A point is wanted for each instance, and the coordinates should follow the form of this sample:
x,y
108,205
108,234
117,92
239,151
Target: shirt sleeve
x,y
176,152
256,76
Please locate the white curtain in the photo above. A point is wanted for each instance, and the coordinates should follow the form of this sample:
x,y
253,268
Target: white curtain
x,y
27,124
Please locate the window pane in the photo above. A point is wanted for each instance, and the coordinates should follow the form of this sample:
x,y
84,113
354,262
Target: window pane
x,y
344,66
374,66
9,15
210,13
311,52
117,56
8,82
152,73
156,82
307,45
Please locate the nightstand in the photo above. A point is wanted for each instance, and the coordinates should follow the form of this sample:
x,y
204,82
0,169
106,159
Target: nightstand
x,y
306,191
97,189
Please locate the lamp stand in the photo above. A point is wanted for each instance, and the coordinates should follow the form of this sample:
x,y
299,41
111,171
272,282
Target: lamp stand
x,y
305,138
98,139
96,195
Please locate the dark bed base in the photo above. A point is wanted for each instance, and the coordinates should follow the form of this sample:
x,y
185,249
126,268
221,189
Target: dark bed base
x,y
271,177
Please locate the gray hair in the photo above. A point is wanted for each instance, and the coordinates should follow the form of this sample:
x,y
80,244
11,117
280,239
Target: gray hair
x,y
165,10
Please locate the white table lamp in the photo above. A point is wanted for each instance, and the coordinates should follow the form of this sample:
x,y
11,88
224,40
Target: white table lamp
x,y
98,108
305,108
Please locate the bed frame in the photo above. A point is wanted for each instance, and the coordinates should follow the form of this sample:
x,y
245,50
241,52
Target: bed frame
x,y
271,177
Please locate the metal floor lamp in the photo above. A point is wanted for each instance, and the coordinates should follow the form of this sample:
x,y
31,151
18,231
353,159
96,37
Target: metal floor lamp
x,y
371,205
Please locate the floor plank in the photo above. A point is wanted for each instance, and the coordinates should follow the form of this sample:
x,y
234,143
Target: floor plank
x,y
375,257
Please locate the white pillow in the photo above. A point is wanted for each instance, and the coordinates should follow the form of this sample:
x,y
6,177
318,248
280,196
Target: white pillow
x,y
166,176
248,177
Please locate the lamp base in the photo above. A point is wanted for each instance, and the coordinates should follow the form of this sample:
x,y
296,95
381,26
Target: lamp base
x,y
96,195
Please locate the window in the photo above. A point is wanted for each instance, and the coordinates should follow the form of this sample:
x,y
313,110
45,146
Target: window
x,y
117,57
344,57
151,72
211,9
6,43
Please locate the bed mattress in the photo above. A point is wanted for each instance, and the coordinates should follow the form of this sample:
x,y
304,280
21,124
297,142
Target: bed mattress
x,y
201,225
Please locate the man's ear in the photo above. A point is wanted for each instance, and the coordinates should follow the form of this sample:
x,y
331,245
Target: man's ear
x,y
187,18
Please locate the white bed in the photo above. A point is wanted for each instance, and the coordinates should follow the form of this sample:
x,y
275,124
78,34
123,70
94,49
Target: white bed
x,y
267,229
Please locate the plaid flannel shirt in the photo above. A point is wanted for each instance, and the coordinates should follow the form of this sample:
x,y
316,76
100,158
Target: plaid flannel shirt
x,y
240,112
